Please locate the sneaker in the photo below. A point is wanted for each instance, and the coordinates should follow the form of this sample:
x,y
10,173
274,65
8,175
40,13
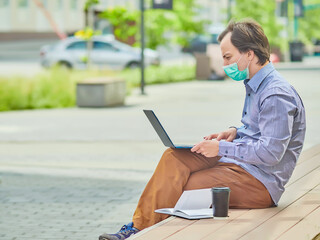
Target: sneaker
x,y
125,232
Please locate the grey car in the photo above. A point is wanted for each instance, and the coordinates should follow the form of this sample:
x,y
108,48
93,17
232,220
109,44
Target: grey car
x,y
107,53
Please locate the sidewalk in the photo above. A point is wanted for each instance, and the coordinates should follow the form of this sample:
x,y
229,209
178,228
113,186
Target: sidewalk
x,y
76,173
308,63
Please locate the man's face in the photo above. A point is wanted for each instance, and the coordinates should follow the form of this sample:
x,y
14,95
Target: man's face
x,y
231,54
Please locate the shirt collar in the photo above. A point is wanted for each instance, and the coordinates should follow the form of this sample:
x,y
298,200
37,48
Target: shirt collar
x,y
258,78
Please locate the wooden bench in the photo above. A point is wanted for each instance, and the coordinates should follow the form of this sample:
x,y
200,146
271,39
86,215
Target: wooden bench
x,y
296,217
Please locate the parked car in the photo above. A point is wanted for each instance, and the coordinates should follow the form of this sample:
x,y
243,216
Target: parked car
x,y
107,52
316,50
197,44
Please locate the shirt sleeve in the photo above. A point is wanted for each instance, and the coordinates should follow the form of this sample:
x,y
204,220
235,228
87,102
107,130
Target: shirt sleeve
x,y
238,136
275,123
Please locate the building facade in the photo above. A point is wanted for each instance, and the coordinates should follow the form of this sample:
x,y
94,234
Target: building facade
x,y
24,19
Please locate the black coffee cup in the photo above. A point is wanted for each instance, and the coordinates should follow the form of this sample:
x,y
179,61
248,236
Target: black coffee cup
x,y
220,201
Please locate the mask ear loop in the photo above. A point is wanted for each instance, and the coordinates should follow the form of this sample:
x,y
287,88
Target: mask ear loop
x,y
248,63
248,68
239,59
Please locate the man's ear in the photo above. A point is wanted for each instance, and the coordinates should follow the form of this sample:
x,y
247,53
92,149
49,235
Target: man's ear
x,y
250,55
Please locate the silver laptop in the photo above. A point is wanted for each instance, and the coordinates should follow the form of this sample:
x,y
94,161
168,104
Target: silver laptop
x,y
161,132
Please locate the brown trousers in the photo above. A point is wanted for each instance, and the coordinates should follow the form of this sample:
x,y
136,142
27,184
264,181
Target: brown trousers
x,y
180,169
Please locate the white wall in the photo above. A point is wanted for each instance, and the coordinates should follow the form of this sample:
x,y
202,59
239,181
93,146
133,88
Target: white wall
x,y
67,14
5,15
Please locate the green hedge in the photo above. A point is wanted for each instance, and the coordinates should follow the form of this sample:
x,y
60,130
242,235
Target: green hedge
x,y
158,75
56,88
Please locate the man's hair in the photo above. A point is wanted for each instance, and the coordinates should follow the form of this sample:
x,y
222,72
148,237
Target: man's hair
x,y
248,35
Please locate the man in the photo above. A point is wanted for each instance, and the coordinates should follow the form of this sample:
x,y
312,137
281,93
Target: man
x,y
255,160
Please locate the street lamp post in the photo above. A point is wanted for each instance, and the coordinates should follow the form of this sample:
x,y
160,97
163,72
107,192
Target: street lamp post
x,y
229,10
142,46
89,42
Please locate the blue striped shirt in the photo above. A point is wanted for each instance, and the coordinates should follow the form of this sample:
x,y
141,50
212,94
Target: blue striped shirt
x,y
270,141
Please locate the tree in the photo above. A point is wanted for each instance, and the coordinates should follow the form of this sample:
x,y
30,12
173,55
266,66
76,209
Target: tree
x,y
262,11
87,5
123,22
161,26
87,33
179,24
309,24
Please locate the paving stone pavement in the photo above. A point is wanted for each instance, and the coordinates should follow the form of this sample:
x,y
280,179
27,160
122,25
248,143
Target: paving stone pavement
x,y
46,207
76,173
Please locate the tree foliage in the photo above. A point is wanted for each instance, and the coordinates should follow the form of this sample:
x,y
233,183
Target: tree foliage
x,y
161,26
123,21
309,24
178,25
90,3
262,11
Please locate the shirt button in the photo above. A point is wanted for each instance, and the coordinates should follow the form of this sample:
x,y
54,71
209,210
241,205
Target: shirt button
x,y
225,155
226,151
245,113
249,94
241,157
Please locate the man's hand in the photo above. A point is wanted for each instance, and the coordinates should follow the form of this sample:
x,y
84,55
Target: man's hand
x,y
208,148
229,135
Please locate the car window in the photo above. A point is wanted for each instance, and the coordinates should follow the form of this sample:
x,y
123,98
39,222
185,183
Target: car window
x,y
122,46
103,46
81,45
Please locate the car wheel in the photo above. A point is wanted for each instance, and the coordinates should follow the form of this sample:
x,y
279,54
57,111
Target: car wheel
x,y
64,65
133,65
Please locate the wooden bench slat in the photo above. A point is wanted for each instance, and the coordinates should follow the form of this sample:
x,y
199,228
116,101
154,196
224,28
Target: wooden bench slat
x,y
144,231
204,227
166,229
287,218
242,225
301,187
304,168
254,218
305,229
309,153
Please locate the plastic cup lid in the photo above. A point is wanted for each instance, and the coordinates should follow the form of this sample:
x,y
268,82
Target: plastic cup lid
x,y
220,189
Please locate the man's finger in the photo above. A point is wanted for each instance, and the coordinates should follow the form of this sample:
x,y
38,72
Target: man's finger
x,y
229,139
212,136
220,136
195,148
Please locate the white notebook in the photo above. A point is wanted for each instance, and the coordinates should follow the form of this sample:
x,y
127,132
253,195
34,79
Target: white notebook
x,y
193,204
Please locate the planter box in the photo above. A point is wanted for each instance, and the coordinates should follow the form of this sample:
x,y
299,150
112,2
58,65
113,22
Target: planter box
x,y
203,70
101,92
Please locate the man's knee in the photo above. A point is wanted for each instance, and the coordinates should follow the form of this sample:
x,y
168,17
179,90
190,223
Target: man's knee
x,y
166,156
173,157
170,153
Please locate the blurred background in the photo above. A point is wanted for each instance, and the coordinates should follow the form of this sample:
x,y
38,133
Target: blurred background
x,y
103,38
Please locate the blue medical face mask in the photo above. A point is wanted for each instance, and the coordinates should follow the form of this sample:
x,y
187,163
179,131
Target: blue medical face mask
x,y
233,72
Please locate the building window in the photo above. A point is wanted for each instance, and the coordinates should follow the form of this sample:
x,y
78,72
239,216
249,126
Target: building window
x,y
22,3
59,5
4,3
73,4
45,3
